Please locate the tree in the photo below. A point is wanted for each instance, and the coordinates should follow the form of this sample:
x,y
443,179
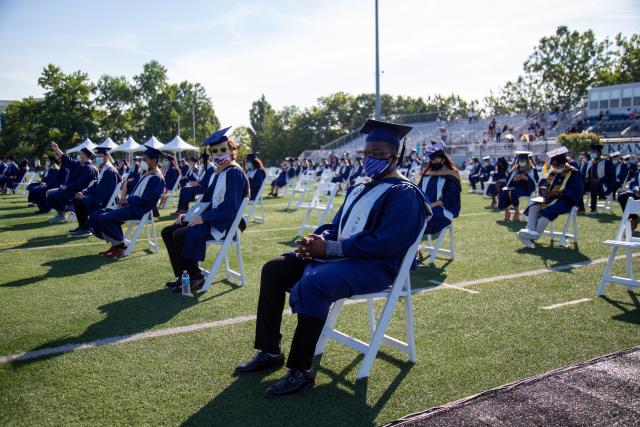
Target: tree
x,y
258,113
114,99
624,62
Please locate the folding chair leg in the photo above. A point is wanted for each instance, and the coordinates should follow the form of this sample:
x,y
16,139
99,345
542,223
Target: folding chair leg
x,y
155,237
607,272
629,268
240,264
408,320
436,248
330,323
134,239
452,246
371,311
377,338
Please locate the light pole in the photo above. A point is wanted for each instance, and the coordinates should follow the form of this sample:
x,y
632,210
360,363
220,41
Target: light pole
x,y
378,112
193,117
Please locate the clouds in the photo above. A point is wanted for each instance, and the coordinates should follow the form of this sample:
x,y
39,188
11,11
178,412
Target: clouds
x,y
295,51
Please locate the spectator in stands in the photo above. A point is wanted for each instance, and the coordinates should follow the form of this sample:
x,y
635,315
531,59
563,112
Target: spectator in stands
x,y
498,131
81,174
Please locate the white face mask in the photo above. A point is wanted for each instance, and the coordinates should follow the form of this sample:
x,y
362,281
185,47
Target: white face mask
x,y
144,166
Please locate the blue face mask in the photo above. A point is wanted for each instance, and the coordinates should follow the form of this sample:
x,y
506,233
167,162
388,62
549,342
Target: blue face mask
x,y
594,156
99,160
523,164
250,166
374,167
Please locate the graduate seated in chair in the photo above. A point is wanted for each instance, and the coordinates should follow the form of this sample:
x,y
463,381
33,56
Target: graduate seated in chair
x,y
620,170
632,193
97,196
81,174
196,187
600,177
360,252
51,178
171,175
499,176
342,173
186,240
13,176
485,171
474,174
106,224
190,172
357,171
287,173
520,183
256,174
563,190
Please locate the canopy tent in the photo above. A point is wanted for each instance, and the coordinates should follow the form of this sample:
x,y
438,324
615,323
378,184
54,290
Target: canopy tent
x,y
129,146
153,143
85,144
108,143
178,145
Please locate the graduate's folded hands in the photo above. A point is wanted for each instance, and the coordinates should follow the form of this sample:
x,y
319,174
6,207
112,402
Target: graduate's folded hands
x,y
312,246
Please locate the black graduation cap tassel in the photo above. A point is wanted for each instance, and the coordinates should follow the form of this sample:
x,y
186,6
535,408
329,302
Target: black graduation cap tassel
x,y
401,157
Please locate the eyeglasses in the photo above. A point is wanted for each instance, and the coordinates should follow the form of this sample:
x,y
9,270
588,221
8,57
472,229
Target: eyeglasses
x,y
218,150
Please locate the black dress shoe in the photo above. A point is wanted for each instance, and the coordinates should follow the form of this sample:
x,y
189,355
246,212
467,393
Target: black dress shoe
x,y
174,283
196,284
261,361
293,382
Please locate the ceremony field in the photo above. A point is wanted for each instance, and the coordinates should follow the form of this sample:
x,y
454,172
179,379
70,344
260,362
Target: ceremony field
x,y
131,352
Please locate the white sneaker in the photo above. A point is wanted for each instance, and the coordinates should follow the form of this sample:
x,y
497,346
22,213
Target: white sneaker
x,y
526,242
528,234
58,219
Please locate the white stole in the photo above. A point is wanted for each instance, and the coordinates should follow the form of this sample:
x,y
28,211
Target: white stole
x,y
439,187
217,197
360,212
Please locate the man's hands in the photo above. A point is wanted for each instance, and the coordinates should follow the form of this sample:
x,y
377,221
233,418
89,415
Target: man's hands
x,y
312,246
195,221
63,187
79,194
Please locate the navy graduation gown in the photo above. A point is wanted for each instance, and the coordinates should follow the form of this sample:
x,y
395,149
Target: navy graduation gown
x,y
171,177
372,256
518,189
606,176
256,178
569,195
450,197
97,196
220,217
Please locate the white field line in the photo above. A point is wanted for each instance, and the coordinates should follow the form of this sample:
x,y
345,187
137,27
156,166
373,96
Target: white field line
x,y
448,286
562,304
248,318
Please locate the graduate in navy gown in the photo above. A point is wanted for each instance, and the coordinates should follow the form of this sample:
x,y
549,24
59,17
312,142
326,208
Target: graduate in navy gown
x,y
440,182
287,173
196,188
133,177
13,176
191,172
357,171
633,180
563,190
186,240
499,178
342,173
81,174
520,183
10,169
51,178
620,170
485,171
171,173
474,174
3,165
256,174
97,196
600,176
360,252
106,224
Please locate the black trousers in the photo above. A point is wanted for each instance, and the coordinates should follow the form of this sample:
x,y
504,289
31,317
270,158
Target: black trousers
x,y
623,198
82,214
174,237
278,276
596,192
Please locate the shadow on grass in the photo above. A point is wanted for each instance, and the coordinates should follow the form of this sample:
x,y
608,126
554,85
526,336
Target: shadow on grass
x,y
512,225
213,290
123,318
21,215
63,268
631,313
554,255
45,241
340,402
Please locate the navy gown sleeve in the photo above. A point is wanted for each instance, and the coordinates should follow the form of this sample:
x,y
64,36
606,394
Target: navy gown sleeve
x,y
150,196
86,174
451,196
574,189
256,182
393,229
223,215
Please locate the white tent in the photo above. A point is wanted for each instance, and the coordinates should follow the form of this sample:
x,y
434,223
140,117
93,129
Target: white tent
x,y
85,144
108,143
129,146
178,145
154,143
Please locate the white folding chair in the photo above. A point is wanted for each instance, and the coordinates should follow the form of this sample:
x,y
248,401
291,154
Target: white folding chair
x,y
291,184
565,237
624,240
326,176
436,248
606,205
112,200
149,225
171,195
326,191
302,187
24,182
401,288
231,238
254,206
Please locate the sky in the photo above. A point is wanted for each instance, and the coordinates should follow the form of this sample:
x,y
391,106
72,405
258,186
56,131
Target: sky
x,y
293,51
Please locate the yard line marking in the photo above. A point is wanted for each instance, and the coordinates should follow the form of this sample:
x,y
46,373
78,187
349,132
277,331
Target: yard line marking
x,y
248,318
562,304
448,286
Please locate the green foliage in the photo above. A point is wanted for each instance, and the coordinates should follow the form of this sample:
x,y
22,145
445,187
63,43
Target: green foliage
x,y
74,108
578,142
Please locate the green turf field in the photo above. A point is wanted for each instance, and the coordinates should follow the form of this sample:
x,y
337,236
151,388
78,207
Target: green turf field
x,y
56,290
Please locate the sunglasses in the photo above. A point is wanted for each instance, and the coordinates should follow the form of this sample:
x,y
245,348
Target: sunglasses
x,y
218,150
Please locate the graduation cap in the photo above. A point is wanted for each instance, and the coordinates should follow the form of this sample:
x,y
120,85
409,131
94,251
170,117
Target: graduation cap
x,y
523,154
558,155
152,153
597,147
170,157
614,154
252,156
486,158
435,150
380,131
102,150
88,152
217,137
626,157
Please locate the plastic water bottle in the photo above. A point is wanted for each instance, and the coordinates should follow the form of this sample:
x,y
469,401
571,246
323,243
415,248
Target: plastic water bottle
x,y
186,283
